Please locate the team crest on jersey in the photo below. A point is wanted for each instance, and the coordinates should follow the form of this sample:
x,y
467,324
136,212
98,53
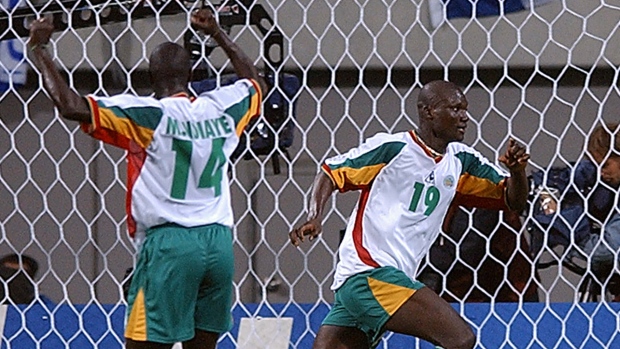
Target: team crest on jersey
x,y
448,181
430,178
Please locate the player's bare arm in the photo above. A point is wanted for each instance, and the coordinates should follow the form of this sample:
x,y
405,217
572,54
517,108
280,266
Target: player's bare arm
x,y
516,159
71,105
205,21
322,189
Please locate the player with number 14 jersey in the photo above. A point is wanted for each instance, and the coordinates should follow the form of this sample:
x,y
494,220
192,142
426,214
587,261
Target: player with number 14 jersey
x,y
178,149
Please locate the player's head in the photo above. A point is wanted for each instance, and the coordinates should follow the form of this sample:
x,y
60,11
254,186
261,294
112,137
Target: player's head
x,y
442,111
170,67
604,147
18,274
15,262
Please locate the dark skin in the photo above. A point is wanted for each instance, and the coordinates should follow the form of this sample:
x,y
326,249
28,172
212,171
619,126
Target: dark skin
x,y
442,110
166,61
170,71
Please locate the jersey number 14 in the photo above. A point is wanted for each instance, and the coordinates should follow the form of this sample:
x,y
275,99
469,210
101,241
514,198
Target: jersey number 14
x,y
211,175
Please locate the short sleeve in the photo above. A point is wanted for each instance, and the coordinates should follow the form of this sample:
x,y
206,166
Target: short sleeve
x,y
122,119
357,168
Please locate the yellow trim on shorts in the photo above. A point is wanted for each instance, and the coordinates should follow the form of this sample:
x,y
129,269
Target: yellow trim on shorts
x,y
136,324
391,297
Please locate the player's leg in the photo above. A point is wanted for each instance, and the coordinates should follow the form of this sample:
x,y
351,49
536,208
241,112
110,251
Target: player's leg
x,y
362,306
338,337
213,305
202,340
164,288
131,344
427,316
339,329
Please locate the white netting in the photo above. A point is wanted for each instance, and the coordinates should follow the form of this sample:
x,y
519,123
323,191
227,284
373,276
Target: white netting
x,y
544,76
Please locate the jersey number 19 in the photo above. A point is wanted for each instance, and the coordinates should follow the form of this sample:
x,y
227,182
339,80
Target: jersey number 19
x,y
431,198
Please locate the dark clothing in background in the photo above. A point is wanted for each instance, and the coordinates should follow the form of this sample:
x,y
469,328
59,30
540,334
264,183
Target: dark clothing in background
x,y
20,287
474,255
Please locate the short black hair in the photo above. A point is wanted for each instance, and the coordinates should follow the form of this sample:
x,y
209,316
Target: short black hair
x,y
31,266
604,141
170,63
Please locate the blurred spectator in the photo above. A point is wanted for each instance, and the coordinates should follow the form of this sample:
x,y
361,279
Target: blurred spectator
x,y
604,148
588,215
470,261
17,274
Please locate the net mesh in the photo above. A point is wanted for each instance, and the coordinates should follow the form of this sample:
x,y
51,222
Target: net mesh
x,y
544,76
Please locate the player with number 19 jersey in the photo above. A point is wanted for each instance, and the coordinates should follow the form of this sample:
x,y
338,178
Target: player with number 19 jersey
x,y
406,190
178,149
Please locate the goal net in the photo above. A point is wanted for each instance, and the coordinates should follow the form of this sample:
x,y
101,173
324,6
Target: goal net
x,y
341,71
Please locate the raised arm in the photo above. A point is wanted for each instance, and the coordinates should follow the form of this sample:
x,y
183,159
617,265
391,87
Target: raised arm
x,y
204,20
322,189
71,105
516,159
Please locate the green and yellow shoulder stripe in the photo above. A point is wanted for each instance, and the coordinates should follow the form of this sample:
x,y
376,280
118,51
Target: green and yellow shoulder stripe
x,y
122,119
242,101
357,168
480,184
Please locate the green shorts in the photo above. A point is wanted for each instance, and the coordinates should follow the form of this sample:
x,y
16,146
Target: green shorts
x,y
183,281
367,300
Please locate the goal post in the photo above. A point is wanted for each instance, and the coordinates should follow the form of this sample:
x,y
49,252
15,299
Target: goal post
x,y
545,76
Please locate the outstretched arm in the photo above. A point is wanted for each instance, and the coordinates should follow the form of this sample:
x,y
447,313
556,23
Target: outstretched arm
x,y
204,20
71,105
516,159
322,190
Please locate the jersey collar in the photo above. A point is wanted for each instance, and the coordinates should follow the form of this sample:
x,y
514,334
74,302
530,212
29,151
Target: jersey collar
x,y
183,94
437,156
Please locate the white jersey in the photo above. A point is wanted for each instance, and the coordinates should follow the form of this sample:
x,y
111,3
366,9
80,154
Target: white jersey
x,y
178,150
405,195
